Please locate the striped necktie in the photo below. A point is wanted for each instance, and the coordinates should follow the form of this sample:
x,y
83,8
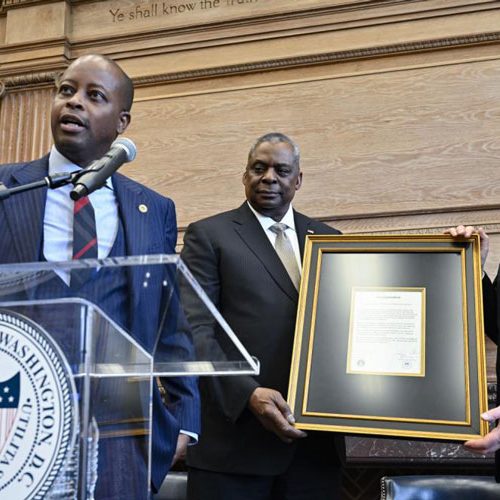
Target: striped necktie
x,y
285,252
84,239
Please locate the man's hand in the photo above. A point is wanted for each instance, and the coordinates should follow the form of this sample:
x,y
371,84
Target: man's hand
x,y
274,414
181,449
466,232
490,442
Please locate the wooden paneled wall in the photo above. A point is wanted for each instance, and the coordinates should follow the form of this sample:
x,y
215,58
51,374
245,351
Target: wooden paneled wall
x,y
395,104
25,124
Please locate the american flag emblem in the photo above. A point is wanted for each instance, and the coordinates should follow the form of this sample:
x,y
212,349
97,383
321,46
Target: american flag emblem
x,y
9,402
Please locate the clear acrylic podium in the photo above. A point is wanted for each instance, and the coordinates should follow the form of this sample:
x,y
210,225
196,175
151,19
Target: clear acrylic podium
x,y
79,365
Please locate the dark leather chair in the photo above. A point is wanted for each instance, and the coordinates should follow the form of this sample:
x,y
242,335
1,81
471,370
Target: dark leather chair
x,y
174,487
439,488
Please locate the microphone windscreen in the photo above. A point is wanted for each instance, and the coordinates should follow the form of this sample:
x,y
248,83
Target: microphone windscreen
x,y
128,146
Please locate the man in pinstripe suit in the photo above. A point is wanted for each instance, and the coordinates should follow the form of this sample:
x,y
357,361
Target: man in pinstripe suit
x,y
91,107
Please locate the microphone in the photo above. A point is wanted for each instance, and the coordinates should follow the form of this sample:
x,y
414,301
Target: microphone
x,y
95,175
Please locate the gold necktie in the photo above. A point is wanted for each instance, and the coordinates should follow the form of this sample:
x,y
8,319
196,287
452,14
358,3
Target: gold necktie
x,y
285,252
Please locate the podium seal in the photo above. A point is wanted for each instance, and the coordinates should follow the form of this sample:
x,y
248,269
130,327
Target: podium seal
x,y
38,413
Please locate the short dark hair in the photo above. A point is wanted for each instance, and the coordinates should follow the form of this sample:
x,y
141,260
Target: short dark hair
x,y
276,138
128,85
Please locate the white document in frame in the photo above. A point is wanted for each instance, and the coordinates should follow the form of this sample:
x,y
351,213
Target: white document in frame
x,y
387,331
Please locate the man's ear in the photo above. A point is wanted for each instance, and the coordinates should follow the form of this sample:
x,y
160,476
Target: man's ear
x,y
298,182
123,122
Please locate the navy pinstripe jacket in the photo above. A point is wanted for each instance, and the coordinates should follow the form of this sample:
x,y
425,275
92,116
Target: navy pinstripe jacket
x,y
152,232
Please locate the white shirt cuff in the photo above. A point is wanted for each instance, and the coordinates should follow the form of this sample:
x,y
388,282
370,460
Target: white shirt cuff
x,y
192,435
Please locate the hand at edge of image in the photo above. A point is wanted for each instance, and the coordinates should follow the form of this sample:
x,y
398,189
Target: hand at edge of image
x,y
490,442
462,231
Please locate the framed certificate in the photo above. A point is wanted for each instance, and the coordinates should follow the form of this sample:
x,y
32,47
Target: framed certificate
x,y
389,337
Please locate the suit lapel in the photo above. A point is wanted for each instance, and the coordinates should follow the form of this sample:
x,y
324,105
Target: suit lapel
x,y
141,224
138,225
24,211
250,231
303,228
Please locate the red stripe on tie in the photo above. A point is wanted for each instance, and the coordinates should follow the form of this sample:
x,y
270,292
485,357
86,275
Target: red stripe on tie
x,y
79,204
89,245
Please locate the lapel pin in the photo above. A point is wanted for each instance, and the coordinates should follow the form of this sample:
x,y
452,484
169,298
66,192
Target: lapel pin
x,y
310,231
143,208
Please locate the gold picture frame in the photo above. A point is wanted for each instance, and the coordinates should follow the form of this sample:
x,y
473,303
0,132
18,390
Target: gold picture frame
x,y
416,341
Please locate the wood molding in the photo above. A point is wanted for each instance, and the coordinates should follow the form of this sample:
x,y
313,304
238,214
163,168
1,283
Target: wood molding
x,y
340,6
13,4
413,221
26,60
364,14
333,19
45,78
26,82
462,209
317,59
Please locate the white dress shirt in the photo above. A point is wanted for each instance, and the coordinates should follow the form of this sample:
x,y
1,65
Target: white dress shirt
x,y
58,218
291,233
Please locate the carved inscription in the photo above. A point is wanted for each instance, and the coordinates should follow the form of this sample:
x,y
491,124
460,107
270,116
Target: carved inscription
x,y
158,9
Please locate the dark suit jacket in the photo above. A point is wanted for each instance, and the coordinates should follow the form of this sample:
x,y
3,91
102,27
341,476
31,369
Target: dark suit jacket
x,y
491,304
239,269
155,232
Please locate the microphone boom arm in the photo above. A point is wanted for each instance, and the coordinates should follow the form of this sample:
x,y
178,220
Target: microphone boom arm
x,y
51,181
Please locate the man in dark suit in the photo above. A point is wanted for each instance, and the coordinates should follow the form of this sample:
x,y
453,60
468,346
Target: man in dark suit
x,y
249,447
491,304
91,107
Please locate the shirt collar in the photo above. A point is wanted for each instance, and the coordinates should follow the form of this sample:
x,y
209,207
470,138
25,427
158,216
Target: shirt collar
x,y
59,163
267,222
